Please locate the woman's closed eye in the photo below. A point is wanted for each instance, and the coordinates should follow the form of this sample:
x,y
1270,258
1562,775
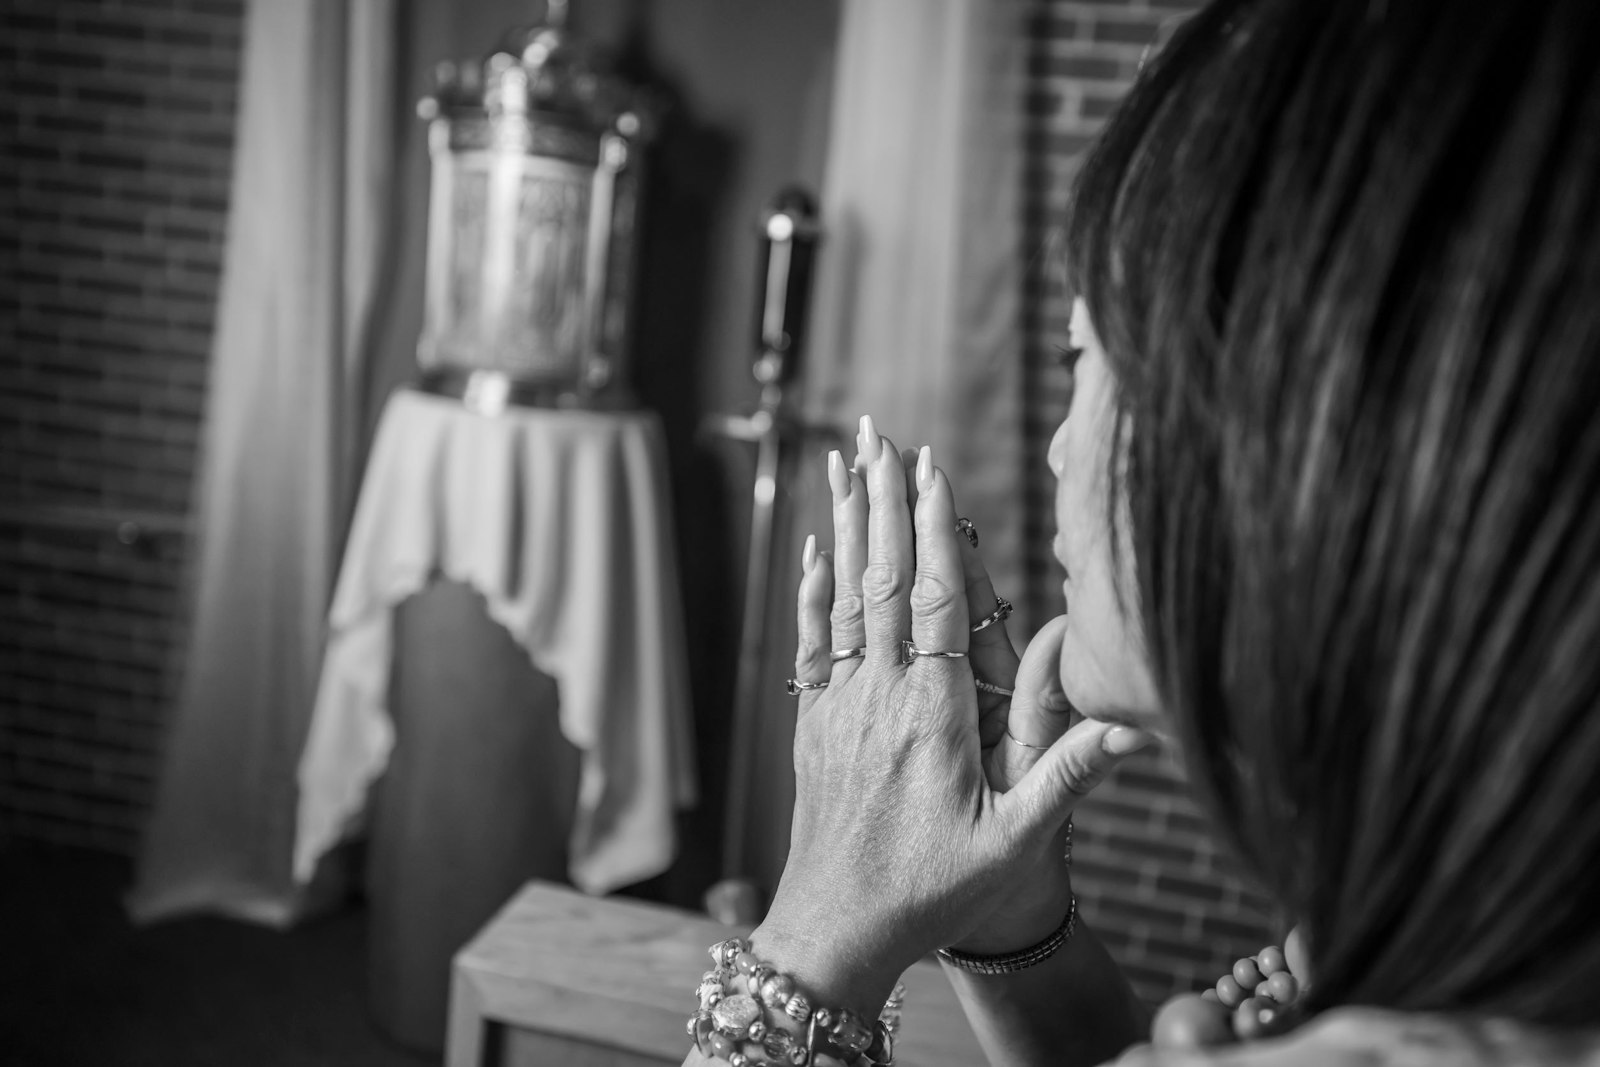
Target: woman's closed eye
x,y
1067,355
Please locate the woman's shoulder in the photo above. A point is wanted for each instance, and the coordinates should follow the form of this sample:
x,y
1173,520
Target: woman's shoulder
x,y
1369,1037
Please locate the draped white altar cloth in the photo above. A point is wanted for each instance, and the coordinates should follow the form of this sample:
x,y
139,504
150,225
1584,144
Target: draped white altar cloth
x,y
561,521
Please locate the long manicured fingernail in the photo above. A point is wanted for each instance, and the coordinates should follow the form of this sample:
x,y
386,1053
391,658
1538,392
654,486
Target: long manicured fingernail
x,y
1121,740
871,443
838,477
924,469
808,557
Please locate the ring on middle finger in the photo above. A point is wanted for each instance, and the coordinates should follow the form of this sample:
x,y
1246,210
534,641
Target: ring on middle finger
x,y
1002,612
839,655
909,652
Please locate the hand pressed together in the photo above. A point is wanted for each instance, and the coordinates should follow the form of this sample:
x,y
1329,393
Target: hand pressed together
x,y
919,822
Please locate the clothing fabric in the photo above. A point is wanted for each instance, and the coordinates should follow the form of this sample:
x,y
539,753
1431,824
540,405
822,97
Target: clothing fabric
x,y
561,521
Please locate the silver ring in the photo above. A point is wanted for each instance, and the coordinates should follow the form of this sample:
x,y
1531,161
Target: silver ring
x,y
971,531
796,686
997,690
839,655
909,652
1002,611
1024,744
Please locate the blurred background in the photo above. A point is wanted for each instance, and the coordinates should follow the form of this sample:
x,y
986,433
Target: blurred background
x,y
216,273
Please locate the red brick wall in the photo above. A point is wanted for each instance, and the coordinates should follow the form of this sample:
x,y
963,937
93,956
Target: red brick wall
x,y
117,120
1149,876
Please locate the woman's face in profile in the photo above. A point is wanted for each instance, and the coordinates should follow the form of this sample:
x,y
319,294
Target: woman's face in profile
x,y
1105,667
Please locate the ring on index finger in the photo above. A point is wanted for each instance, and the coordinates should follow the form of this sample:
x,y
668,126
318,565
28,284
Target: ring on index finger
x,y
795,686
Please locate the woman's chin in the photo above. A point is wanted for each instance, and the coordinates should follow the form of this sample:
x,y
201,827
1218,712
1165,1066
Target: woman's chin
x,y
1149,722
1110,684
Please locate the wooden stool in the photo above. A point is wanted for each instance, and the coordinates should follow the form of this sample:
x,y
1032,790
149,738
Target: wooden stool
x,y
558,977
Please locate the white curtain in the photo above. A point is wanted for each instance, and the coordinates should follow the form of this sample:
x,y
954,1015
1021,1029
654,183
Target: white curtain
x,y
919,303
312,185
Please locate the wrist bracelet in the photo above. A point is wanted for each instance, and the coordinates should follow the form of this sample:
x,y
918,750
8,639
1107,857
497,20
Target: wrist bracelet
x,y
733,1025
1015,961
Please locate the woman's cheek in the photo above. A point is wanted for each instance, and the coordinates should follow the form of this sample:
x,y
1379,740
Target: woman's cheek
x,y
1104,675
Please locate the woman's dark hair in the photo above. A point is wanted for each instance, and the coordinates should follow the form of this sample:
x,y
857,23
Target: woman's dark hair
x,y
1344,256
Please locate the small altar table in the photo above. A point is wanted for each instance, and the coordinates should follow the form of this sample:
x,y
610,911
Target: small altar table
x,y
560,520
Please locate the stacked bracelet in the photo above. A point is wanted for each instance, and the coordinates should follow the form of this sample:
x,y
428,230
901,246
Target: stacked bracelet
x,y
743,1028
1021,959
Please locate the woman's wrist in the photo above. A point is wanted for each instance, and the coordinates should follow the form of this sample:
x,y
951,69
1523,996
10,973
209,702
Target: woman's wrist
x,y
753,1014
825,968
1029,916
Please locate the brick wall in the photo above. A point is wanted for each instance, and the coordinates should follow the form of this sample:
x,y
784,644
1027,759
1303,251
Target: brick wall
x,y
1149,876
117,126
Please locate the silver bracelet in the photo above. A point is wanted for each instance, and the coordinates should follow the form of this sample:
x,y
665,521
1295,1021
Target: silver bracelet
x,y
1019,960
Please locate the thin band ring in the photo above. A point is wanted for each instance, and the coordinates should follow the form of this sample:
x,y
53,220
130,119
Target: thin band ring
x,y
909,652
990,687
796,686
1002,612
839,655
1024,744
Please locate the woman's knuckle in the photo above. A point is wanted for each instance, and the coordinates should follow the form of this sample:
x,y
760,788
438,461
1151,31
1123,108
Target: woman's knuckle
x,y
847,607
882,583
1079,772
809,650
931,595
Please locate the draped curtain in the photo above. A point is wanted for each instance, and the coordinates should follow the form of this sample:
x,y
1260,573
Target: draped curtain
x,y
918,305
311,191
918,316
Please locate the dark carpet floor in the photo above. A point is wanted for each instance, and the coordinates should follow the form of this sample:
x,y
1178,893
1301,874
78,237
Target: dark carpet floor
x,y
79,987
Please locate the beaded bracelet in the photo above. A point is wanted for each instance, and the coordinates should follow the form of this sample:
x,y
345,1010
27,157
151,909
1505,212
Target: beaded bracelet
x,y
731,1025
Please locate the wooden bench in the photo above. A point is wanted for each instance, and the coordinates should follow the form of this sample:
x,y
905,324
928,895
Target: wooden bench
x,y
558,978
